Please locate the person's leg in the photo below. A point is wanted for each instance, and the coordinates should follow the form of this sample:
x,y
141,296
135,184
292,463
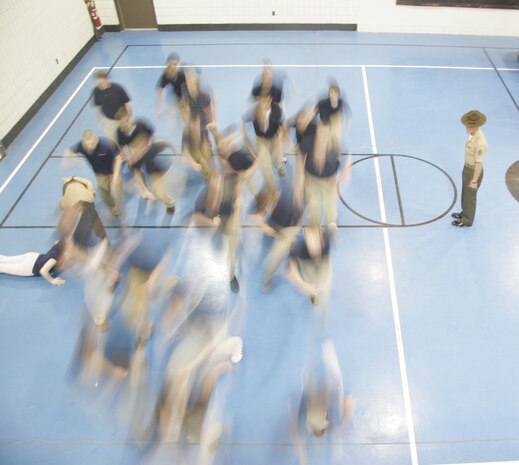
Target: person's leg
x,y
329,198
275,149
103,182
18,265
265,161
313,198
158,185
136,307
336,130
279,250
110,127
469,197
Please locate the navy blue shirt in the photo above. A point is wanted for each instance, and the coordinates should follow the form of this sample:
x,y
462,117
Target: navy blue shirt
x,y
331,163
325,109
53,253
300,249
110,100
274,123
102,158
175,82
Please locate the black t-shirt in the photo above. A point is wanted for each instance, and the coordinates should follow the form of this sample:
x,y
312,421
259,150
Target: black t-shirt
x,y
175,82
102,158
241,160
200,106
141,128
306,146
300,250
150,161
325,109
110,100
285,213
53,253
274,123
274,91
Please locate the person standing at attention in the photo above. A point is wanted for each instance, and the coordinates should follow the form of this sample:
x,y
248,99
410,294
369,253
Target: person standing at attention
x,y
476,149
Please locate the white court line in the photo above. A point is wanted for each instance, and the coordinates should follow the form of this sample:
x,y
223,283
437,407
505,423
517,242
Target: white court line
x,y
28,154
392,287
469,68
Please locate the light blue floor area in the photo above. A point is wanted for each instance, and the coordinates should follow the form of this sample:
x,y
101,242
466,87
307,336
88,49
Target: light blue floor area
x,y
456,290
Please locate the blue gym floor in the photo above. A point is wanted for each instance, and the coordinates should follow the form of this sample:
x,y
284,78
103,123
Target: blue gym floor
x,y
424,316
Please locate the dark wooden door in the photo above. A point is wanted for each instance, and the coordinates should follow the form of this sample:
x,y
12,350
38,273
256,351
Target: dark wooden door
x,y
137,14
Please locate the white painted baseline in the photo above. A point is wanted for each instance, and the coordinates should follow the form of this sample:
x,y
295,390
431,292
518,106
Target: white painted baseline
x,y
392,286
31,150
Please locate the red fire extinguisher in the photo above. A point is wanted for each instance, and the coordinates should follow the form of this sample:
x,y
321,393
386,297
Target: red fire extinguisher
x,y
91,5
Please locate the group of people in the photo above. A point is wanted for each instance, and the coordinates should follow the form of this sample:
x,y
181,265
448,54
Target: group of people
x,y
300,215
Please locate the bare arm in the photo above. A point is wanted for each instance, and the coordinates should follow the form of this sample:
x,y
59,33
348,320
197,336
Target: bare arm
x,y
294,276
45,273
145,192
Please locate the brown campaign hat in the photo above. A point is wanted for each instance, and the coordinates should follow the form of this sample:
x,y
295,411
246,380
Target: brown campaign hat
x,y
473,119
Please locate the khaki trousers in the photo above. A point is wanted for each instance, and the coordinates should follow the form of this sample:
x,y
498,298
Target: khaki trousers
x,y
469,196
159,188
110,127
135,309
111,199
268,152
283,241
321,194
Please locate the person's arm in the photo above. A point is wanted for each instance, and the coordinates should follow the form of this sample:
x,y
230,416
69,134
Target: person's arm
x,y
299,181
478,168
45,273
293,275
145,192
246,140
345,174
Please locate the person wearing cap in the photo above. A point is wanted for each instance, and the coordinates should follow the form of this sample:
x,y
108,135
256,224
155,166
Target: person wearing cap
x,y
476,149
103,156
109,98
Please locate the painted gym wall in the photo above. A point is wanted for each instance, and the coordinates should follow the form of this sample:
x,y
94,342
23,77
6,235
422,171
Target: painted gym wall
x,y
32,36
369,15
107,11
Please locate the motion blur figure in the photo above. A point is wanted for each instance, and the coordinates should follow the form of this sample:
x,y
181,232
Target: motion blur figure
x,y
282,223
267,120
172,76
140,151
309,263
321,406
103,156
203,351
332,110
79,219
317,172
220,204
109,99
200,109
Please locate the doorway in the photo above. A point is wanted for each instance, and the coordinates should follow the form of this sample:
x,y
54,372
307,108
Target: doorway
x,y
136,14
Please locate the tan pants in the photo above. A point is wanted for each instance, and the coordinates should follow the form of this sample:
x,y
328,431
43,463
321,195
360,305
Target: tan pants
x,y
75,192
279,251
336,129
268,152
110,127
113,200
159,188
231,228
135,309
321,194
319,274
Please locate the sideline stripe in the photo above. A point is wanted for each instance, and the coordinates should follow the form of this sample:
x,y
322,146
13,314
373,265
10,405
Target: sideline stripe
x,y
28,154
392,287
469,68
